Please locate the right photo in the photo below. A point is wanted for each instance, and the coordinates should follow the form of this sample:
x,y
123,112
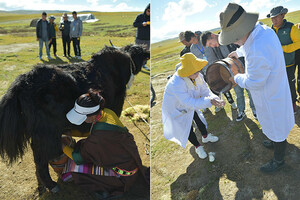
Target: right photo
x,y
225,87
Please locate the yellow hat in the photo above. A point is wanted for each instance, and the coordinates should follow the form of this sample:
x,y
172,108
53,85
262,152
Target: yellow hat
x,y
190,64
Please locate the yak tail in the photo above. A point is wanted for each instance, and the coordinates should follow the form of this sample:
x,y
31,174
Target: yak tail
x,y
13,139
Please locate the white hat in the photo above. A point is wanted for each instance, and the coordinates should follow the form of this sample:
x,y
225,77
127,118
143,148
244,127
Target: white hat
x,y
78,114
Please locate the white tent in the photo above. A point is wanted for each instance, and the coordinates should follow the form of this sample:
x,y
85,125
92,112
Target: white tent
x,y
83,17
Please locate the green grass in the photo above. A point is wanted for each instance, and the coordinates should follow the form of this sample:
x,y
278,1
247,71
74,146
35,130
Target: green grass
x,y
117,27
95,37
165,55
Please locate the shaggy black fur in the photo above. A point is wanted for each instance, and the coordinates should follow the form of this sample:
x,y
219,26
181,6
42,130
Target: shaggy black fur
x,y
35,106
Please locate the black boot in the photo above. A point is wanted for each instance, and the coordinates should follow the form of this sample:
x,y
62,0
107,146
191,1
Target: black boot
x,y
268,144
272,166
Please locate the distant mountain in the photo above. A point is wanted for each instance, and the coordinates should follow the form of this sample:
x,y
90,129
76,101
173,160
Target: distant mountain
x,y
38,11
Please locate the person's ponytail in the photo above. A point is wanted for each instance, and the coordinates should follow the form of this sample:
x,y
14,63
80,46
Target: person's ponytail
x,y
96,97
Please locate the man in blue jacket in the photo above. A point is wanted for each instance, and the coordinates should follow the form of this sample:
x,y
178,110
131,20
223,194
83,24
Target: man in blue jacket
x,y
43,34
75,34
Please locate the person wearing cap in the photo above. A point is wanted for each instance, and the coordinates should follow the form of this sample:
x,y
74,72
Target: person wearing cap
x,y
185,94
186,44
107,162
219,52
142,23
52,32
199,51
289,36
65,32
75,34
43,35
265,76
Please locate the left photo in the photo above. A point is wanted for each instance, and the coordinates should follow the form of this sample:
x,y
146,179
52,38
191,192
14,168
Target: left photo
x,y
75,99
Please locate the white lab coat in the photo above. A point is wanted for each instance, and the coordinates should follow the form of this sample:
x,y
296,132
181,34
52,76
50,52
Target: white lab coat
x,y
266,78
181,99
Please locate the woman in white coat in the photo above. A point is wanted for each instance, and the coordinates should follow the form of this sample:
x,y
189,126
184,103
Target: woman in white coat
x,y
185,94
265,76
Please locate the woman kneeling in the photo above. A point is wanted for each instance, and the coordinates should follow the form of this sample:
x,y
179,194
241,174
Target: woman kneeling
x,y
107,161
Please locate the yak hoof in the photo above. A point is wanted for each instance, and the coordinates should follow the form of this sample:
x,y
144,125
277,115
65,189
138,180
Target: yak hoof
x,y
55,189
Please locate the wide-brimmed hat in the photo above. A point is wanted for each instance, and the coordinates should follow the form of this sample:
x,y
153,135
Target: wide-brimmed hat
x,y
190,64
277,11
52,17
235,23
78,114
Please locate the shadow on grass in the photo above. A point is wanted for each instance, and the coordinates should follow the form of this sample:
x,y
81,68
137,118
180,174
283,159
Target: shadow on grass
x,y
74,60
235,173
58,60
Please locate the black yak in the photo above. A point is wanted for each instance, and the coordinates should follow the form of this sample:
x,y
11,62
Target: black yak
x,y
34,108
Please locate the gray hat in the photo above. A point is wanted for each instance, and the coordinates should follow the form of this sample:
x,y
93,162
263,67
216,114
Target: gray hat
x,y
199,33
181,37
277,11
52,17
235,23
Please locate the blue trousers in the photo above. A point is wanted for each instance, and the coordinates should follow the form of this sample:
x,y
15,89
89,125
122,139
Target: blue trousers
x,y
41,41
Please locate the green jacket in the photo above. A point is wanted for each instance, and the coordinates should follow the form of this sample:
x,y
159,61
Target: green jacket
x,y
284,35
52,30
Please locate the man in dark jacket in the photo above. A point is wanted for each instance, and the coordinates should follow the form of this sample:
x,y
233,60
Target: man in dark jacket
x,y
65,32
187,45
42,35
142,22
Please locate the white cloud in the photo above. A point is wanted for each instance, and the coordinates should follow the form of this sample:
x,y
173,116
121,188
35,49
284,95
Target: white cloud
x,y
115,1
171,30
57,5
92,2
176,17
183,8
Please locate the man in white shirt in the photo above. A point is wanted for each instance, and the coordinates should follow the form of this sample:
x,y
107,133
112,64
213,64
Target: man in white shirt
x,y
264,76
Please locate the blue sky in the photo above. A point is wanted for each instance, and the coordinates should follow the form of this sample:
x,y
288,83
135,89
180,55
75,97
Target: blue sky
x,y
78,5
170,17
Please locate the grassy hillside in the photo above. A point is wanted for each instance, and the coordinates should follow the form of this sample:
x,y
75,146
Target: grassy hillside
x,y
19,53
179,174
165,54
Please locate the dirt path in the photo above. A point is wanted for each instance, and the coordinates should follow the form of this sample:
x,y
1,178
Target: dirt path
x,y
178,173
12,48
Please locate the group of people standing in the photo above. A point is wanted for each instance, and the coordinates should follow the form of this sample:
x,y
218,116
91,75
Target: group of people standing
x,y
269,79
206,46
70,31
